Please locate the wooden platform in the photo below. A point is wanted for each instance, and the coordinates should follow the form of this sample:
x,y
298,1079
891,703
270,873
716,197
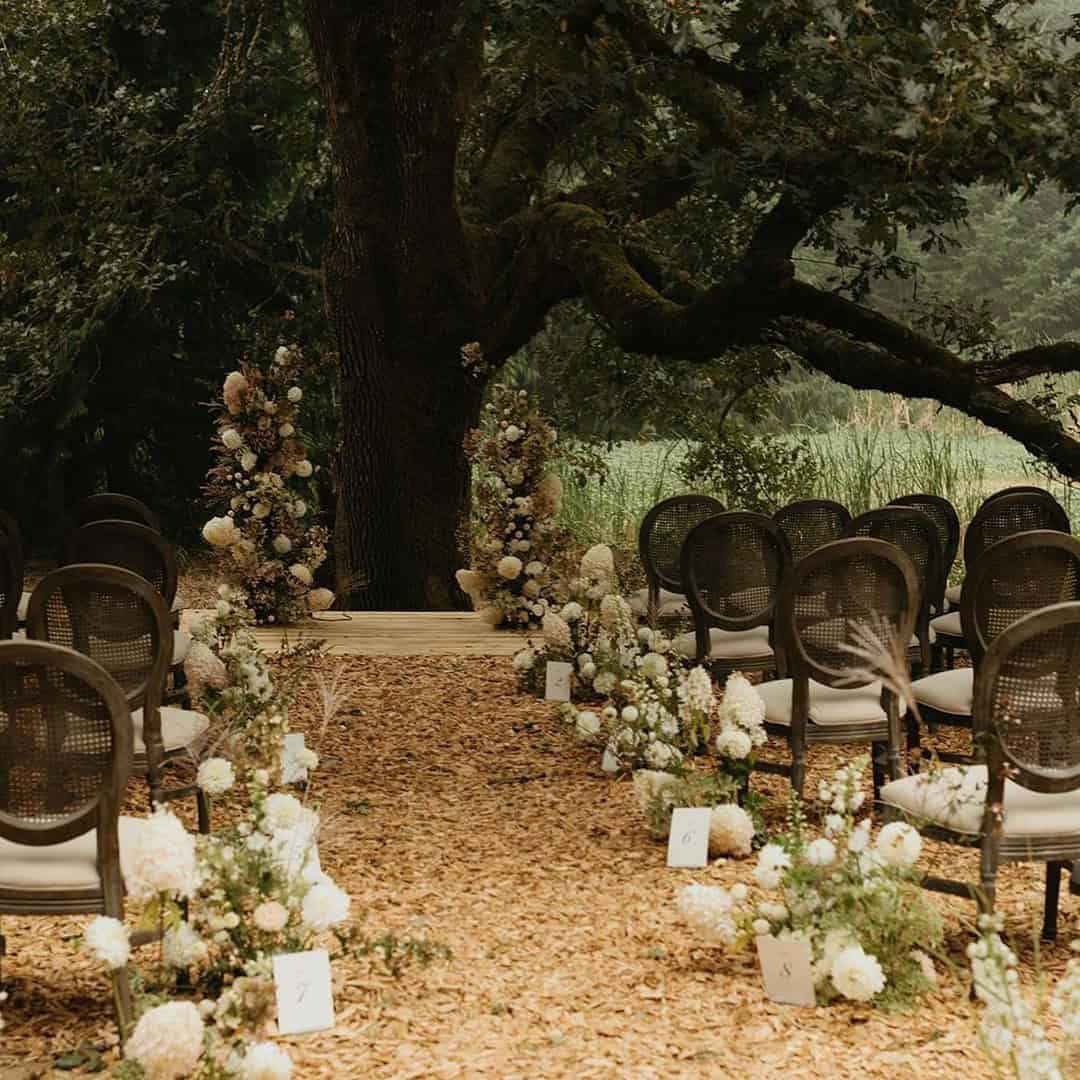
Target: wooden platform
x,y
394,633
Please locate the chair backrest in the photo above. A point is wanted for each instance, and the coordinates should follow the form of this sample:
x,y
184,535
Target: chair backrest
x,y
10,589
732,566
65,746
123,543
947,521
1007,515
1017,489
111,506
913,533
115,617
843,585
1027,703
809,523
1018,575
662,532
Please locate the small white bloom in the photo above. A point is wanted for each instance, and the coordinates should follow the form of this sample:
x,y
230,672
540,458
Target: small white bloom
x,y
295,394
265,1061
820,852
248,460
733,742
299,508
270,916
301,573
282,544
231,438
899,844
571,612
281,811
588,671
535,569
260,510
587,724
524,660
107,939
216,776
731,831
160,858
772,859
285,430
509,567
182,948
325,905
604,683
167,1041
630,714
856,974
304,468
512,433
654,665
221,532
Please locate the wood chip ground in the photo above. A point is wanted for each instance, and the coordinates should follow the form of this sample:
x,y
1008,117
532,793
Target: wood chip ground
x,y
460,810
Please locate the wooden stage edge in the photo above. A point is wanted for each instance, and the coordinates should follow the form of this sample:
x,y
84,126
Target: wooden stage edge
x,y
392,633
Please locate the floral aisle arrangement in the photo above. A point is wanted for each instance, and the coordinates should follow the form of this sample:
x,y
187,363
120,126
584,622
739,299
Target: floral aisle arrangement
x,y
1014,1029
230,677
262,485
517,496
857,903
595,631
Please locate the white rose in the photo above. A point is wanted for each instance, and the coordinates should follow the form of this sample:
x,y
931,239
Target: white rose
x,y
299,508
270,916
281,355
221,532
856,974
509,567
248,460
301,573
231,438
734,743
286,430
304,468
899,844
587,724
282,544
319,599
512,433
260,510
630,714
295,394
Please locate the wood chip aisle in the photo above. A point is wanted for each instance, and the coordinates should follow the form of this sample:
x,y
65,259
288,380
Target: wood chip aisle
x,y
459,810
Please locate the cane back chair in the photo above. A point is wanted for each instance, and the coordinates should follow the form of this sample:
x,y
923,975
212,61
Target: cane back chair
x,y
111,506
947,521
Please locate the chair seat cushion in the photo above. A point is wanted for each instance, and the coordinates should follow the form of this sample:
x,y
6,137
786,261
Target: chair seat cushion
x,y
181,646
952,593
949,625
180,728
955,799
948,691
23,607
70,865
728,644
829,706
671,604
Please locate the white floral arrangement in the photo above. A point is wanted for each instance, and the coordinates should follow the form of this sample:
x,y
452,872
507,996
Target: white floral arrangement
x,y
595,631
1014,1030
516,500
262,485
857,902
229,676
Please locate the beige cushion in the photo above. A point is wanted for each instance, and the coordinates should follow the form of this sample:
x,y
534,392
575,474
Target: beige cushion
x,y
948,624
23,607
70,865
947,691
828,705
728,644
671,603
952,593
955,798
180,728
181,646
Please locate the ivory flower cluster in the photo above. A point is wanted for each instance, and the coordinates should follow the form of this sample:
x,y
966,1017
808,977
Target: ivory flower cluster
x,y
855,901
513,532
262,487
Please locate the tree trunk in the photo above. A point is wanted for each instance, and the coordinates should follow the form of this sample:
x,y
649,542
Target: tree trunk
x,y
401,291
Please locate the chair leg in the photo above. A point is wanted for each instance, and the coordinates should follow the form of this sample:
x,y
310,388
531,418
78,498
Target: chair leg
x,y
1050,905
950,657
798,769
878,760
202,805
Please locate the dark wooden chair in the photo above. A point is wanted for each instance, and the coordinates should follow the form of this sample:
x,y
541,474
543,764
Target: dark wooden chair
x,y
809,523
915,534
1000,516
660,541
732,566
147,553
65,755
865,583
119,619
947,521
111,506
9,530
1018,575
1027,717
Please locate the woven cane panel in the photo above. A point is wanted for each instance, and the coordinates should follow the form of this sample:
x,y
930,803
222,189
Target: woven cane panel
x,y
1035,703
1026,580
100,545
668,532
917,539
56,744
945,521
861,590
735,568
111,625
809,525
1006,517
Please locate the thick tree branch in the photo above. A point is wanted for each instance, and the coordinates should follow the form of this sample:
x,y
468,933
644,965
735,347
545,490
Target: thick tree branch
x,y
1056,359
868,367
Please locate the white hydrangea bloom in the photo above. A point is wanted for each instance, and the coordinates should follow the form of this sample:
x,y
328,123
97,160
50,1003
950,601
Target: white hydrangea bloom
x,y
325,905
556,631
731,831
167,1041
281,811
821,852
265,1061
282,544
856,974
660,755
604,683
248,460
653,665
215,776
107,939
509,567
270,916
181,947
772,860
301,573
742,706
709,910
319,599
160,858
698,688
734,743
524,660
535,568
204,668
